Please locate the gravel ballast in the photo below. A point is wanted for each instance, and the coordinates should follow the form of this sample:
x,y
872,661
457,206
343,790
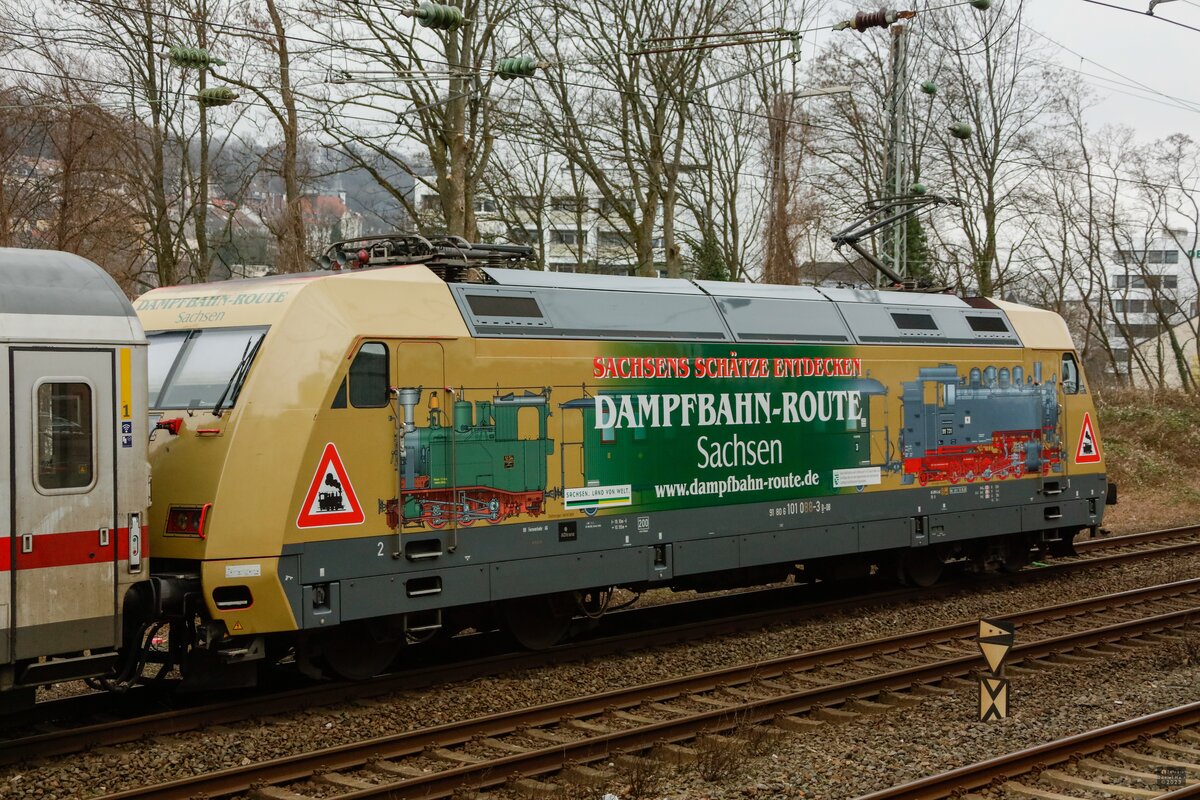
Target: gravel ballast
x,y
933,728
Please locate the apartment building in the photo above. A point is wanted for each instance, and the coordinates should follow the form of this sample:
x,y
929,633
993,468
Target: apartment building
x,y
570,233
1149,290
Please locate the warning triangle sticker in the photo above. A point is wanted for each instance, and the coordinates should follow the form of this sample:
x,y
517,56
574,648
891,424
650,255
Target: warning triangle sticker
x,y
1088,451
330,500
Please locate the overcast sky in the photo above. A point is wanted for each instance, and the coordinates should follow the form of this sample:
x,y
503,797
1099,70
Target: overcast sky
x,y
1138,49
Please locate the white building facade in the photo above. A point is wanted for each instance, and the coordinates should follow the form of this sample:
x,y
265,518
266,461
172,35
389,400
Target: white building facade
x,y
1147,292
569,233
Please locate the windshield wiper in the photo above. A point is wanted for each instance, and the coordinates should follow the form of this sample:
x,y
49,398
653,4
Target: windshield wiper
x,y
235,380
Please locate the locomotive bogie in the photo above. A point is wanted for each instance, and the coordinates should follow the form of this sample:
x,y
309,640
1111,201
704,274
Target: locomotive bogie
x,y
449,465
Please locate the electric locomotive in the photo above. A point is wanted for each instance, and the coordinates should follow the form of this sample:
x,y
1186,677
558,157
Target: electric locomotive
x,y
428,436
74,429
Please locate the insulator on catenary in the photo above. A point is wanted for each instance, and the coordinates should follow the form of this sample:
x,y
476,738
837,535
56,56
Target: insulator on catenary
x,y
216,96
193,58
865,20
437,16
517,67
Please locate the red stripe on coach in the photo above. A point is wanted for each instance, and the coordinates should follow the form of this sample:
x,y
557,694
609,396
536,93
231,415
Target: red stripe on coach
x,y
65,549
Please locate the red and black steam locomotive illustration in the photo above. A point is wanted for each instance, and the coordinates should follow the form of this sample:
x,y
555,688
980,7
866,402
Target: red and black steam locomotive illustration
x,y
991,425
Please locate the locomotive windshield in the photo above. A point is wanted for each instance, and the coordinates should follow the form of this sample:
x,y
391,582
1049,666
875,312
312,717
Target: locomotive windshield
x,y
194,369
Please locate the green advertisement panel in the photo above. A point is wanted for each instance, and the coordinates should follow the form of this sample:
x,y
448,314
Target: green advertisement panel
x,y
700,425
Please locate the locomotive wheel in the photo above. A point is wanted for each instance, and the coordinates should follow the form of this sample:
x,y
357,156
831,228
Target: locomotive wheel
x,y
354,652
921,567
537,622
1016,554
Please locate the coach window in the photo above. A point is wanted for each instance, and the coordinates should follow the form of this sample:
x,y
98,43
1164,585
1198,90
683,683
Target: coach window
x,y
1070,375
369,376
64,437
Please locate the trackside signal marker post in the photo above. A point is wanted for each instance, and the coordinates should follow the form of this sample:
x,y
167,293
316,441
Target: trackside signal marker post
x,y
995,640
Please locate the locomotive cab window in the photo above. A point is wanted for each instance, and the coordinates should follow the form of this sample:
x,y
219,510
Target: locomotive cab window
x,y
65,445
207,370
164,349
1071,383
369,376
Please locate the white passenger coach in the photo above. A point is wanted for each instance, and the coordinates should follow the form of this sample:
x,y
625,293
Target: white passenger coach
x,y
73,471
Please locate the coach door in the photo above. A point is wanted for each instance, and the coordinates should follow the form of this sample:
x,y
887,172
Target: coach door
x,y
64,543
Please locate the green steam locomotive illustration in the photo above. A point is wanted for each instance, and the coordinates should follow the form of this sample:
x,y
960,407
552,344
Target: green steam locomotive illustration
x,y
474,466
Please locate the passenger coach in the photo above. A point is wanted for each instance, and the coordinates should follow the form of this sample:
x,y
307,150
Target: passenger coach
x,y
73,461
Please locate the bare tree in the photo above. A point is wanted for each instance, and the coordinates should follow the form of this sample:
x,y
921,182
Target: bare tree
x,y
424,88
274,87
620,118
989,80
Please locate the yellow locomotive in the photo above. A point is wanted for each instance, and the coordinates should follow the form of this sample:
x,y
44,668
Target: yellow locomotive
x,y
425,438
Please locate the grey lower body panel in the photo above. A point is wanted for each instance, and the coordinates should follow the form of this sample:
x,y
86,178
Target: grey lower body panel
x,y
482,564
57,638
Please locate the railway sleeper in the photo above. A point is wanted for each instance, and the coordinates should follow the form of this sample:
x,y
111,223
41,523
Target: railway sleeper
x,y
1064,780
393,770
1134,757
868,707
540,790
836,716
1164,746
583,775
276,793
342,781
1138,776
1025,790
898,699
674,754
793,724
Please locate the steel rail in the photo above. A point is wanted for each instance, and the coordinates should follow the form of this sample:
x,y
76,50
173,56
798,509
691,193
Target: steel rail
x,y
975,776
540,761
176,721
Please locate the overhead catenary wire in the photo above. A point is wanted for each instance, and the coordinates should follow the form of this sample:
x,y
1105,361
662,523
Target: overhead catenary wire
x,y
763,116
1144,14
1033,165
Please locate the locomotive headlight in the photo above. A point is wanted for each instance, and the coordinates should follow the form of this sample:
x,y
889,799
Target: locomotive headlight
x,y
184,520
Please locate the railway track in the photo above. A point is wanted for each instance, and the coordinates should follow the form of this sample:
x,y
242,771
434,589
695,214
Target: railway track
x,y
1155,756
619,632
563,737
